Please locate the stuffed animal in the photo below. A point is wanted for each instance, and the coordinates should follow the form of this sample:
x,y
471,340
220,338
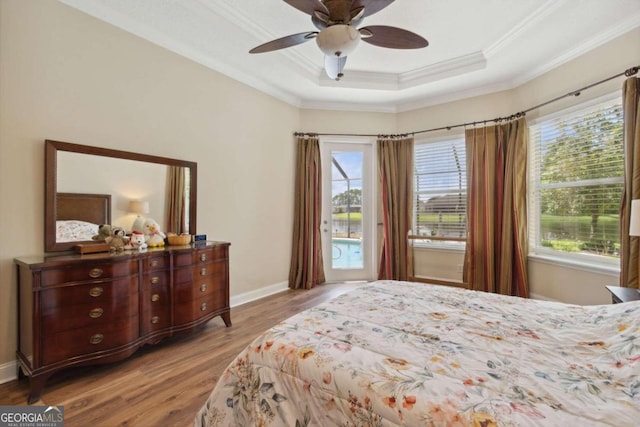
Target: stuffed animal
x,y
118,239
138,224
152,234
136,241
104,232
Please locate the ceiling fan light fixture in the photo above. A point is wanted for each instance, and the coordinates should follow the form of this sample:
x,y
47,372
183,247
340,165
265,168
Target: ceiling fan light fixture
x,y
334,65
338,40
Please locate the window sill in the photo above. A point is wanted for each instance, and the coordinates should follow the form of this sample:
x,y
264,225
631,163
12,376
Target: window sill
x,y
576,265
440,248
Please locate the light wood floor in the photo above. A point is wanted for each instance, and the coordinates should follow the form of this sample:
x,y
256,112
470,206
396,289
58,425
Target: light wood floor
x,y
166,384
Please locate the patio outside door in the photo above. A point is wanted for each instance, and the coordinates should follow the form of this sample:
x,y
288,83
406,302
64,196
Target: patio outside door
x,y
347,220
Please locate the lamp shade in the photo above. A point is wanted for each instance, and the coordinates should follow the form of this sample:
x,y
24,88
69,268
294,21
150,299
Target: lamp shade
x,y
139,206
338,40
634,223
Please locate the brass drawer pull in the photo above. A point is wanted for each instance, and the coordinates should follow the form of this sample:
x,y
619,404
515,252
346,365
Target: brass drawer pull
x,y
155,319
203,306
155,297
203,257
96,291
96,339
94,273
155,279
203,272
203,287
95,313
155,263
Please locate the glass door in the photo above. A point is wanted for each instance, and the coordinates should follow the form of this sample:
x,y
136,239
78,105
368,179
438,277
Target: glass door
x,y
347,221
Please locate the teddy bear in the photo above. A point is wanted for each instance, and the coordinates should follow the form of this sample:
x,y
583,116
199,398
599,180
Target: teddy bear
x,y
136,241
104,232
154,238
117,240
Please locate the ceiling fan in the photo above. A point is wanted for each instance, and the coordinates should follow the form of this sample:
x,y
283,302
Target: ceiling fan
x,y
337,21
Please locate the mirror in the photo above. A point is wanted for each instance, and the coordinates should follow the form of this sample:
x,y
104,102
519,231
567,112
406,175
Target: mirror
x,y
121,177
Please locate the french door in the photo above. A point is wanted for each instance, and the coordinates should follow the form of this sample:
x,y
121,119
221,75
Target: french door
x,y
347,209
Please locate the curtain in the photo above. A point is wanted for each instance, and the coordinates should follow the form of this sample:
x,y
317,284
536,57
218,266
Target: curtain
x,y
630,247
306,268
497,245
395,164
176,200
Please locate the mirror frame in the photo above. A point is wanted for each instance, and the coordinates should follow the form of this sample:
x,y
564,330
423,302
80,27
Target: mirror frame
x,y
51,176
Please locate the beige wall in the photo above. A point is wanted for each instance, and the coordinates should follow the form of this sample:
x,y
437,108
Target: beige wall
x,y
69,77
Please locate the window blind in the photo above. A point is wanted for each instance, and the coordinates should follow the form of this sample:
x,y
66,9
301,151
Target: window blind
x,y
576,180
440,190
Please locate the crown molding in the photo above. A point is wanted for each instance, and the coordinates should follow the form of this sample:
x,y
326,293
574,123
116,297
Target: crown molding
x,y
396,82
523,26
443,70
430,101
623,27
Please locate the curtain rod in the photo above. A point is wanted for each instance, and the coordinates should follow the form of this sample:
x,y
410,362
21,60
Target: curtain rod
x,y
628,73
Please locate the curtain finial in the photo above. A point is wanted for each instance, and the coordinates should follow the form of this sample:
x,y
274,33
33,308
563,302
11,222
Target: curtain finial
x,y
632,71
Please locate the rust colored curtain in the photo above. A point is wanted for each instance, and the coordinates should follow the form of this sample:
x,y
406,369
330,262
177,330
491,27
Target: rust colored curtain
x,y
306,270
497,243
395,165
630,246
176,200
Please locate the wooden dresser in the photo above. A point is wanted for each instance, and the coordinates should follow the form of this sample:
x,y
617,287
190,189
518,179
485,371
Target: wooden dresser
x,y
100,308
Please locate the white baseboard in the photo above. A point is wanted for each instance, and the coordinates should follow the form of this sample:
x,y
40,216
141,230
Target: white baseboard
x,y
8,371
258,293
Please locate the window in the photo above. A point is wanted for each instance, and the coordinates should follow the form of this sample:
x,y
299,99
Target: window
x,y
576,179
440,192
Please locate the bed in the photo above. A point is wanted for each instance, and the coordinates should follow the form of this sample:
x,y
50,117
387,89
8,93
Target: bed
x,y
78,215
401,353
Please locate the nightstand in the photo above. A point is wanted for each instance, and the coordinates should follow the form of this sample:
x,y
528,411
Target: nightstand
x,y
620,294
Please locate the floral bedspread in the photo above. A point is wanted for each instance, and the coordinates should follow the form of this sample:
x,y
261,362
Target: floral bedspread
x,y
399,353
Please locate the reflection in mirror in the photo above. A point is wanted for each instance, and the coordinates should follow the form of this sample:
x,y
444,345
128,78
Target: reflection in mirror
x,y
168,186
177,204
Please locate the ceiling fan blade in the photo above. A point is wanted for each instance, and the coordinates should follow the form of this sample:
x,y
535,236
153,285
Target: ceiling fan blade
x,y
284,42
392,37
307,6
371,6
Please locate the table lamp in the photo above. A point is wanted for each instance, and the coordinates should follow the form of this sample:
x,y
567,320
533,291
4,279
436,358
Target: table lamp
x,y
139,207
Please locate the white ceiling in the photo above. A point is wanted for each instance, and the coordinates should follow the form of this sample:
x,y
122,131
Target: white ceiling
x,y
475,47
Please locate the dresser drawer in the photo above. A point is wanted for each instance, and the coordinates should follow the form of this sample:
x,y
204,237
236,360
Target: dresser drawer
x,y
92,339
105,293
86,315
200,287
158,262
88,271
189,311
200,272
157,278
203,255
